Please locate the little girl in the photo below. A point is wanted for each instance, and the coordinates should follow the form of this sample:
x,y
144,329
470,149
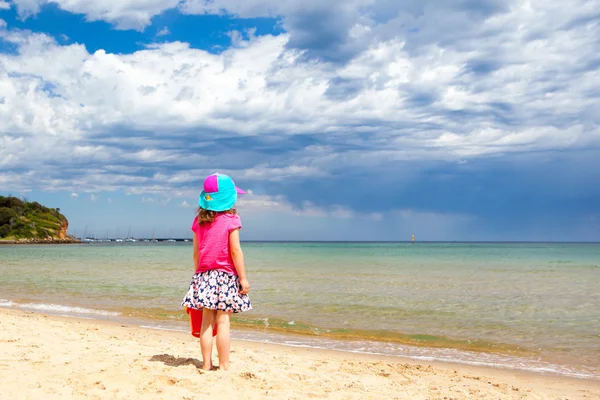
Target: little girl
x,y
219,287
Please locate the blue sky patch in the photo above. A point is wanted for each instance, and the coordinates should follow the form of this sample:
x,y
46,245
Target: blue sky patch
x,y
206,32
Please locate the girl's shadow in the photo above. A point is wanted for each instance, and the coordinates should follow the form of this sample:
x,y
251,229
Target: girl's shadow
x,y
172,361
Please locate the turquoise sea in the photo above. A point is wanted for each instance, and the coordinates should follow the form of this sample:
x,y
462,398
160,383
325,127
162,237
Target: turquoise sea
x,y
528,306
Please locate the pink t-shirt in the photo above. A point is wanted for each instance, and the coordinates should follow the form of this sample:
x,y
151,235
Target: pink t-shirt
x,y
213,243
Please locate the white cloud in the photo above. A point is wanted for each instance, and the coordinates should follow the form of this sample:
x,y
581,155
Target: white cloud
x,y
27,8
124,14
93,197
109,200
74,195
516,85
262,203
243,9
264,172
136,14
185,204
4,5
163,32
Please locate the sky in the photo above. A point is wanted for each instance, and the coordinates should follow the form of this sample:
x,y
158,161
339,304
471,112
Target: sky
x,y
355,120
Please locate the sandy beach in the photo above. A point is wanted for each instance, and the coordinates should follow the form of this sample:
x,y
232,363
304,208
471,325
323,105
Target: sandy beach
x,y
47,356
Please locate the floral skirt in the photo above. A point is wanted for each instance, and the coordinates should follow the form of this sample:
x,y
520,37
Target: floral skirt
x,y
216,290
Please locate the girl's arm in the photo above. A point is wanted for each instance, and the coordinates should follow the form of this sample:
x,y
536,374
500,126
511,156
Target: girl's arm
x,y
235,248
195,254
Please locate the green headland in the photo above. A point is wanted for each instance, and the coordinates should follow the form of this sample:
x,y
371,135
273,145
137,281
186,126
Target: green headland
x,y
30,222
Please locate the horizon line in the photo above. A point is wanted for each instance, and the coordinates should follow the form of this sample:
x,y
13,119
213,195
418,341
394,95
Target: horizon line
x,y
179,239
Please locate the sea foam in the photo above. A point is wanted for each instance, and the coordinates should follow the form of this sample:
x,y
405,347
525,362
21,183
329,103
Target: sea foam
x,y
57,308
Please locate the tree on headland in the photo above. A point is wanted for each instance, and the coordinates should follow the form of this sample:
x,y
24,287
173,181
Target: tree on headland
x,y
4,231
7,216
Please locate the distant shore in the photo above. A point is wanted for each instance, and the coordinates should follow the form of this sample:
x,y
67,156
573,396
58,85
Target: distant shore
x,y
40,241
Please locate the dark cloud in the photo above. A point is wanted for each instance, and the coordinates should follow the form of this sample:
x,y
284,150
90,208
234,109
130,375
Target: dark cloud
x,y
419,96
482,66
592,65
582,20
506,193
344,88
323,32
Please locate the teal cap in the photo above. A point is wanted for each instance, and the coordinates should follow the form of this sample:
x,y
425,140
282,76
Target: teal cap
x,y
219,194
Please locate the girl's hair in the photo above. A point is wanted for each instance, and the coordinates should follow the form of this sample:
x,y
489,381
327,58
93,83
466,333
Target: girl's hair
x,y
208,216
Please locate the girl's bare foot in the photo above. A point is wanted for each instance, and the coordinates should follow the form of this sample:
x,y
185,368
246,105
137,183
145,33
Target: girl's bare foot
x,y
206,367
223,367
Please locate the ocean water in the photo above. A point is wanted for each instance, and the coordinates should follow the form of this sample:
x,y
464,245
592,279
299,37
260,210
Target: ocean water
x,y
526,306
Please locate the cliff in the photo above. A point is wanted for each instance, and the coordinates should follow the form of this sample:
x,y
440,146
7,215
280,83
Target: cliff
x,y
22,221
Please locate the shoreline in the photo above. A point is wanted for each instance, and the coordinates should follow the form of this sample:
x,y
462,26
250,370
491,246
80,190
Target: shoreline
x,y
40,241
366,346
59,356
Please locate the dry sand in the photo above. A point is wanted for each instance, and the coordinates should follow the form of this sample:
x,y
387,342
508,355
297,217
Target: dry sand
x,y
47,357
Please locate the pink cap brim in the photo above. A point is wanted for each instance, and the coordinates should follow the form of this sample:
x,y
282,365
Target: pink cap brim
x,y
239,191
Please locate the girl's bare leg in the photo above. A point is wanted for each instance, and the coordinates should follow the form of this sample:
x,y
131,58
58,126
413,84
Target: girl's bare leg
x,y
223,338
206,335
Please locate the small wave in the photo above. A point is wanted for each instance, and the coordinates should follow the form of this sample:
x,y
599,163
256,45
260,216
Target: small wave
x,y
57,308
421,354
6,303
163,328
